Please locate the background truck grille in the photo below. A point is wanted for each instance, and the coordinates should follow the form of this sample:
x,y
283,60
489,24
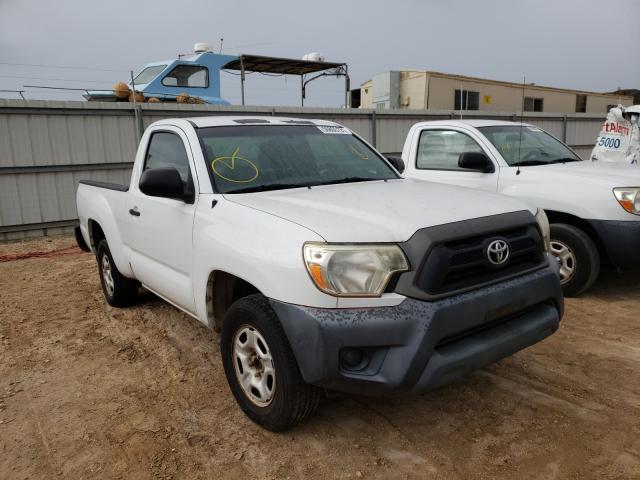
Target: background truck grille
x,y
462,264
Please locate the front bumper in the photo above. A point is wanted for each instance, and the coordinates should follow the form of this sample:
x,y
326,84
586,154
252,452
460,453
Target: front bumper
x,y
620,240
418,345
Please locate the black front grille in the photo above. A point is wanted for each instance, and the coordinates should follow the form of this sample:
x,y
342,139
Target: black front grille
x,y
461,264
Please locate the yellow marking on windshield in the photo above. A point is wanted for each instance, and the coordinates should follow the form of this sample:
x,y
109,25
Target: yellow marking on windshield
x,y
231,162
359,153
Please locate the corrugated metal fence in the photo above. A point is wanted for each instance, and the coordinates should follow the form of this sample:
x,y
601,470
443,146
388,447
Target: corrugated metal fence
x,y
46,147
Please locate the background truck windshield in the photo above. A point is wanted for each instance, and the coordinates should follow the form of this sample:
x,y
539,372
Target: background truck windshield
x,y
537,147
267,157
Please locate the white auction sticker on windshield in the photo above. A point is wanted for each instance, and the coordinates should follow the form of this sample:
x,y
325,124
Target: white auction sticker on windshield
x,y
333,129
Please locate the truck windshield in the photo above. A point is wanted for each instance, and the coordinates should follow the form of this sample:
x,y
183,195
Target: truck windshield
x,y
535,147
250,158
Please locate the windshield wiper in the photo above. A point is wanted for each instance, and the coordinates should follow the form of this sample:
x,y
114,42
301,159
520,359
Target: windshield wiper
x,y
282,186
565,160
529,163
348,180
272,186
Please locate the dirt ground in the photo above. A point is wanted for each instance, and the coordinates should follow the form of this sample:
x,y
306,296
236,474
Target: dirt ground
x,y
89,391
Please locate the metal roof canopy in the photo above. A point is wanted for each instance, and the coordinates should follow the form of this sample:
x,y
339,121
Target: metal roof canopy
x,y
289,66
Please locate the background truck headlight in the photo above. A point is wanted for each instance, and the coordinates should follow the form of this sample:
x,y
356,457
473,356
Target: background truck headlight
x,y
629,199
353,270
543,223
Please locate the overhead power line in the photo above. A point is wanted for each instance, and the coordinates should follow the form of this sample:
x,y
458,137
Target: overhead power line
x,y
97,69
19,92
64,66
24,77
249,45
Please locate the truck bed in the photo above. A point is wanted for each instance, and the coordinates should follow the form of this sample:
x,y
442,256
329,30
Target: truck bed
x,y
110,186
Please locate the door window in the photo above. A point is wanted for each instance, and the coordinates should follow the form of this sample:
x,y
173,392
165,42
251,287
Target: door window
x,y
440,149
166,150
190,76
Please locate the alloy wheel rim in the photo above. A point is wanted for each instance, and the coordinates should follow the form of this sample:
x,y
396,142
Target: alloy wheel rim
x,y
253,365
566,260
107,275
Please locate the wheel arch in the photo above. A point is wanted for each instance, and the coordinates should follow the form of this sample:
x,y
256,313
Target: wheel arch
x,y
96,234
224,288
101,229
582,224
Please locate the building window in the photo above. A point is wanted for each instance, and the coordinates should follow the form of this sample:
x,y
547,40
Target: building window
x,y
533,104
466,100
581,103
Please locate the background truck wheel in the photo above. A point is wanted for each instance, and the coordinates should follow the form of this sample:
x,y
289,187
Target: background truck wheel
x,y
260,366
577,256
119,291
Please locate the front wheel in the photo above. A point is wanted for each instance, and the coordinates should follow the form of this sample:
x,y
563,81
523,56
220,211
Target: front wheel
x,y
577,257
260,367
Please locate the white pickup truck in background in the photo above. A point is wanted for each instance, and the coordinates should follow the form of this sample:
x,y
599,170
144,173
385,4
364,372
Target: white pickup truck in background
x,y
593,207
321,266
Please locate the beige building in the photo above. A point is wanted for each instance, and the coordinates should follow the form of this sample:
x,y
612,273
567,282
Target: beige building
x,y
440,91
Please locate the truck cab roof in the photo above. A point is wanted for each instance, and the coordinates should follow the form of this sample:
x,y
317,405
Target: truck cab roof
x,y
475,123
238,120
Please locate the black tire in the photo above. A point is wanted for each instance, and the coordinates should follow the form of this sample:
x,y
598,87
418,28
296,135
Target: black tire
x,y
291,400
124,291
586,258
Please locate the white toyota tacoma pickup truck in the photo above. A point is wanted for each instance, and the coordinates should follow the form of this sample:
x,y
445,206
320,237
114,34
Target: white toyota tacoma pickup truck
x,y
593,207
319,264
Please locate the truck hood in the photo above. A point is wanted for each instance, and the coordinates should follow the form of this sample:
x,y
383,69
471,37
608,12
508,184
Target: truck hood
x,y
377,211
608,174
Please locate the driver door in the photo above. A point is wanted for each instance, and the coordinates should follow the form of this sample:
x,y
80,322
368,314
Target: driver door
x,y
160,229
437,156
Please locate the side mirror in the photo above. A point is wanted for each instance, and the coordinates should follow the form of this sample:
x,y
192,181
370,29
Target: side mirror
x,y
397,162
476,161
162,182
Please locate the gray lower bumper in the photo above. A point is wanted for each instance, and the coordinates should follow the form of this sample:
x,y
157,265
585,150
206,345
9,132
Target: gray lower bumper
x,y
621,241
417,345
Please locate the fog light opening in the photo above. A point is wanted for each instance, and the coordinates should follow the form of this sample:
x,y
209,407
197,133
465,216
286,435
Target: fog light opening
x,y
353,359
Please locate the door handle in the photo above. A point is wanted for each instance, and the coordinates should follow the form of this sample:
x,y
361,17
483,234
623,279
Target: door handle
x,y
134,211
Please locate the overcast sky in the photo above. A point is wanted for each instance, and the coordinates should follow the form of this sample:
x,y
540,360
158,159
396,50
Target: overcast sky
x,y
581,44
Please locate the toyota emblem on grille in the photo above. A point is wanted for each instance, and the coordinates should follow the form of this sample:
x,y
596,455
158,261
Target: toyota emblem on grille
x,y
498,252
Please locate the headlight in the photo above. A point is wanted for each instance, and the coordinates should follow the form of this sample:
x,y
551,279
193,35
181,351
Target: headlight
x,y
629,199
543,223
353,270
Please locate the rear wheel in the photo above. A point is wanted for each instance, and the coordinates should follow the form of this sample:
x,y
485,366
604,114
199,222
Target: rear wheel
x,y
577,257
260,366
119,291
